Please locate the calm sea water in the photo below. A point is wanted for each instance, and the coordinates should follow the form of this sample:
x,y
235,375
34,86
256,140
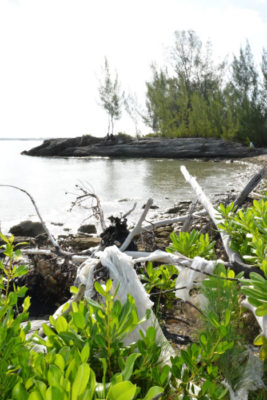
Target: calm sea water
x,y
51,181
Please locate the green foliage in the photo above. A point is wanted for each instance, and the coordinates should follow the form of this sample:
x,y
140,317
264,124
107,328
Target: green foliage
x,y
222,322
84,356
248,231
196,100
192,244
162,280
199,362
14,353
255,289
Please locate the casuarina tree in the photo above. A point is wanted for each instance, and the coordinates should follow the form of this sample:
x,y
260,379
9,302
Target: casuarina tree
x,y
111,96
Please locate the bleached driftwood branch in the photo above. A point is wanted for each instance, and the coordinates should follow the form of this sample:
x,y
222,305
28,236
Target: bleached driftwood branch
x,y
214,215
138,226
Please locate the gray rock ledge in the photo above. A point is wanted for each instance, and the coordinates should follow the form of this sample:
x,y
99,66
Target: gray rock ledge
x,y
87,146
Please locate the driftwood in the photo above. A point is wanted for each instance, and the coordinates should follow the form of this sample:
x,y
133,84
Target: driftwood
x,y
137,229
189,218
214,215
254,181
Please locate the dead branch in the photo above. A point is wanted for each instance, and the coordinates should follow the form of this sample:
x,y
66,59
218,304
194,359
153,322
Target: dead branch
x,y
130,211
52,239
189,218
46,252
214,215
137,228
254,181
97,209
170,221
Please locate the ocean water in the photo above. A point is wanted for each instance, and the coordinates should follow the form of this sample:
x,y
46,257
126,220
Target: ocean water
x,y
119,183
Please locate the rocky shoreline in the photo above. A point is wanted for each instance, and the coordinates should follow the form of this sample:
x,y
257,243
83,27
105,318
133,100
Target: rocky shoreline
x,y
150,147
50,275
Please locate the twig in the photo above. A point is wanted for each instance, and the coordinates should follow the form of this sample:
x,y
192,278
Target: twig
x,y
193,306
166,316
167,291
97,210
137,228
130,211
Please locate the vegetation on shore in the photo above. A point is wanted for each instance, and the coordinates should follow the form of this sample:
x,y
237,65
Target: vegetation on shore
x,y
83,355
193,97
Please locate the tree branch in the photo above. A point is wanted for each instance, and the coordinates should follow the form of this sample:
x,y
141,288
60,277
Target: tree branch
x,y
137,228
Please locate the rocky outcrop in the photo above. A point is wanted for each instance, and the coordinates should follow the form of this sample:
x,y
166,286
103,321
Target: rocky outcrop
x,y
27,228
86,146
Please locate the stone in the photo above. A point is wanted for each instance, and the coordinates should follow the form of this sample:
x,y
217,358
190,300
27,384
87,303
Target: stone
x,y
27,228
88,228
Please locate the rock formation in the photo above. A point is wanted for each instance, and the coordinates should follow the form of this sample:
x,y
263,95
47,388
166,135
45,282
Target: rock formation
x,y
124,146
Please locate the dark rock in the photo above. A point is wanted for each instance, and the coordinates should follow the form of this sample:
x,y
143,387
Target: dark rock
x,y
89,228
147,147
27,228
179,207
152,207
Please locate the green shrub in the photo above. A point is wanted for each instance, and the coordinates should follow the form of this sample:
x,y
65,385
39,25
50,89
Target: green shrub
x,y
192,244
248,230
14,353
161,279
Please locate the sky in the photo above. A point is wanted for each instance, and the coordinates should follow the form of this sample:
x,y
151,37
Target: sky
x,y
52,55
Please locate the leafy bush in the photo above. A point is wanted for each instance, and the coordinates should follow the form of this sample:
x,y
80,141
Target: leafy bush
x,y
256,290
200,368
192,244
248,230
14,353
162,280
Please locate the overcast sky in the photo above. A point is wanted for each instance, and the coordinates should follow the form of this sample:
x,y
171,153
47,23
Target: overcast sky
x,y
52,52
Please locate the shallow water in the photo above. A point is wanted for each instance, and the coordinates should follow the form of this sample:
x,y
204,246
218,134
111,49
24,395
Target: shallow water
x,y
132,180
